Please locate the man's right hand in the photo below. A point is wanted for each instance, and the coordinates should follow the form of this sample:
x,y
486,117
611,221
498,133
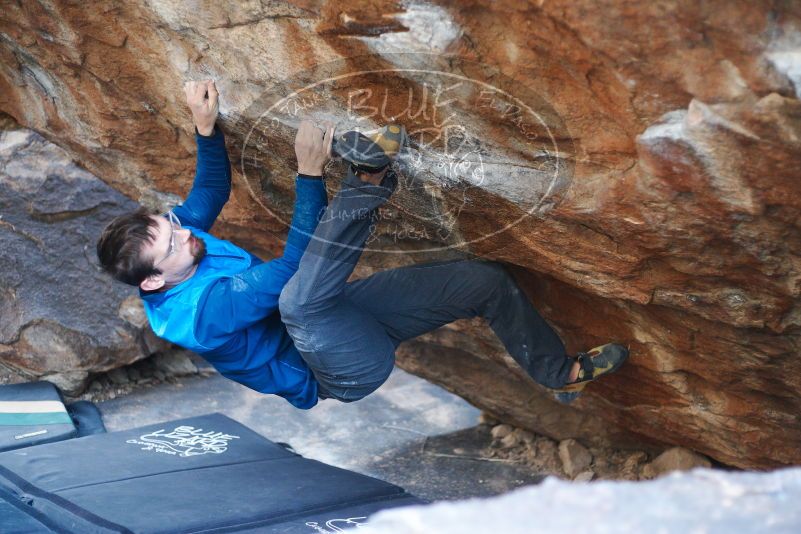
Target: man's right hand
x,y
202,100
313,147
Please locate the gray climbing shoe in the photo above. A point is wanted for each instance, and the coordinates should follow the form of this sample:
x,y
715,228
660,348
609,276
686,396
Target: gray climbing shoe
x,y
595,363
370,154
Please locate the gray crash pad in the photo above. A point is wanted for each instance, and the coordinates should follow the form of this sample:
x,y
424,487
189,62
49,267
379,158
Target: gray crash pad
x,y
202,474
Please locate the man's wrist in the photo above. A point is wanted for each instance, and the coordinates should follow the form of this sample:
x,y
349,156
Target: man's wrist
x,y
207,131
310,171
310,176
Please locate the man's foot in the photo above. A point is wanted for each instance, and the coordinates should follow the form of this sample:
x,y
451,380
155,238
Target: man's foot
x,y
370,154
593,364
390,138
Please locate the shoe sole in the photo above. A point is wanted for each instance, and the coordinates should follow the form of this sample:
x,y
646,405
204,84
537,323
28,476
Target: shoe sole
x,y
390,139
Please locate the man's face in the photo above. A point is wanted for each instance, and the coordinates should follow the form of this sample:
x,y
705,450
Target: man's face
x,y
186,253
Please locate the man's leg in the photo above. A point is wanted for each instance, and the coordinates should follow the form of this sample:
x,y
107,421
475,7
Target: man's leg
x,y
346,348
413,300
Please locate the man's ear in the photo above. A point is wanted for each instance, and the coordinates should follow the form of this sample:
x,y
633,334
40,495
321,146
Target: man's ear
x,y
152,282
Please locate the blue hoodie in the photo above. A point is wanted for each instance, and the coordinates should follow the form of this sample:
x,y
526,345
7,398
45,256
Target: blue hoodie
x,y
228,310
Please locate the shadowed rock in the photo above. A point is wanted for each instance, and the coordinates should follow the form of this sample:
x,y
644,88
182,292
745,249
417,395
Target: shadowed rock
x,y
61,317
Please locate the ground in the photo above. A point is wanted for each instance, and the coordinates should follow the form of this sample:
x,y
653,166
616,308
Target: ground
x,y
410,432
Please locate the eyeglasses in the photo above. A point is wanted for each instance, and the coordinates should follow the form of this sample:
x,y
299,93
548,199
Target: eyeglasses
x,y
175,224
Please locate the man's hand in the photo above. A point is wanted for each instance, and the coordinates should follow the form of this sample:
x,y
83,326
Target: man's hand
x,y
313,147
202,100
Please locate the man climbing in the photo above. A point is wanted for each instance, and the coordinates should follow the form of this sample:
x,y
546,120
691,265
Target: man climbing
x,y
294,326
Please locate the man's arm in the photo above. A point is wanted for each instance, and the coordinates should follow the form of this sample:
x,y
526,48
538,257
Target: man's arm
x,y
243,299
212,184
313,150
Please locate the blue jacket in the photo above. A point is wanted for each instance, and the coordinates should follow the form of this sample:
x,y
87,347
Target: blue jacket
x,y
228,310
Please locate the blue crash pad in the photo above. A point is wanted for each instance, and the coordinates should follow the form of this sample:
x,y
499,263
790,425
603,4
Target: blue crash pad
x,y
203,474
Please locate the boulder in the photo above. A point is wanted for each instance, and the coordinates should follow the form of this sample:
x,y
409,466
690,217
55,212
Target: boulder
x,y
119,376
632,466
175,363
545,454
524,436
510,441
675,459
62,319
575,457
501,431
584,476
635,164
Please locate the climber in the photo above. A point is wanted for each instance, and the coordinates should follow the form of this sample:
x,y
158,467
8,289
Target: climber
x,y
294,326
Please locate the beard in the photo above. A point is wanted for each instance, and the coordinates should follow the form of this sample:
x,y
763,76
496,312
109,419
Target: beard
x,y
200,252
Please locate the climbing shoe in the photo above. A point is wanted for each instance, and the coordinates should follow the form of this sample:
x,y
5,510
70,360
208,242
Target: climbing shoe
x,y
390,138
593,364
370,154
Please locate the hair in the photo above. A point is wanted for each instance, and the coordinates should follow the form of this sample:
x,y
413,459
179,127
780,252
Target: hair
x,y
119,248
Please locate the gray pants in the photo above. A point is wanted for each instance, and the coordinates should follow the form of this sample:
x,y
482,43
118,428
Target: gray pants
x,y
348,332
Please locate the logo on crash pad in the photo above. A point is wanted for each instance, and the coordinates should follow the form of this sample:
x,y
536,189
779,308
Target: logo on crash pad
x,y
332,526
185,441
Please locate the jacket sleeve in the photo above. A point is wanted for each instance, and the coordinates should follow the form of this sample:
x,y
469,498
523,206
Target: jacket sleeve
x,y
233,303
212,184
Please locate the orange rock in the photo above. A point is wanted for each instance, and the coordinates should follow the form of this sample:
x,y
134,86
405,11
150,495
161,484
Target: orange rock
x,y
673,224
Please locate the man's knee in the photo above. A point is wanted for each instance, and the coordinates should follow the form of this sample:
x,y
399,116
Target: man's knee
x,y
353,392
357,382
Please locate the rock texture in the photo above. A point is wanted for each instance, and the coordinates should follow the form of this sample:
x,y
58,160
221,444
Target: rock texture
x,y
635,163
61,318
570,459
675,459
699,501
575,458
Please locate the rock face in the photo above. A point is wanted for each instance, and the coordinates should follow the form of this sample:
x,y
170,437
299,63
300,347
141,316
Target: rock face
x,y
61,318
635,163
699,501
